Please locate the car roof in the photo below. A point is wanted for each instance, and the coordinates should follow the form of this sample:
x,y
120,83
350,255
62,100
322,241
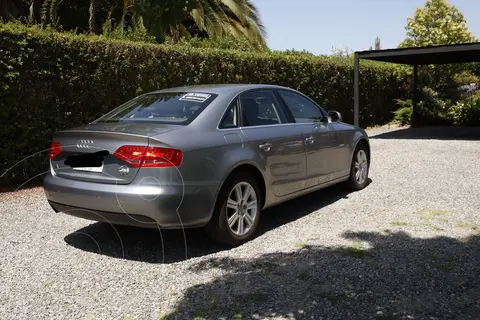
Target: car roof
x,y
221,88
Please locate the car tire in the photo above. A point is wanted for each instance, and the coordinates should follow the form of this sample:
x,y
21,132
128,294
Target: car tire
x,y
359,168
223,224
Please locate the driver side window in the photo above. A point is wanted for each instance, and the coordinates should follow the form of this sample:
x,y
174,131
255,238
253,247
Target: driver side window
x,y
302,109
260,108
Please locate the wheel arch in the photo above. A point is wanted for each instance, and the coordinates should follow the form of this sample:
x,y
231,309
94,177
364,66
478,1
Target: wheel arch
x,y
362,140
366,143
252,169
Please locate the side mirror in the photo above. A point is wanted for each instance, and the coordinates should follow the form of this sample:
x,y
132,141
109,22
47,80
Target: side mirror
x,y
334,116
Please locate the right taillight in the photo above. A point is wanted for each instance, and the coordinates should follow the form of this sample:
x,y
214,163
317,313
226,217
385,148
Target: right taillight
x,y
131,154
152,157
55,149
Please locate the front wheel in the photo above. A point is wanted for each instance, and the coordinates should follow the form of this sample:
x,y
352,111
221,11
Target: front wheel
x,y
359,168
237,211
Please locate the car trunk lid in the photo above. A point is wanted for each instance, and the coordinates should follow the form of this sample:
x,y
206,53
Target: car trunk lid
x,y
87,152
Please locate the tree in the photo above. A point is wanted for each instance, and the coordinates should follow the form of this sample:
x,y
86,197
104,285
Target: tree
x,y
20,9
161,18
205,18
437,23
10,9
378,46
91,20
342,53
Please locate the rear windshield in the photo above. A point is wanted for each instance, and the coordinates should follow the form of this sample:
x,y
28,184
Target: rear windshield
x,y
170,108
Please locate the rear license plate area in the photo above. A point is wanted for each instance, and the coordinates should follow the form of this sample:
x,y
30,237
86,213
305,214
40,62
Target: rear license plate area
x,y
90,162
89,169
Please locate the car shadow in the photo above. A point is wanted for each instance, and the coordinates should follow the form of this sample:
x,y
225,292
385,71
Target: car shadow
x,y
379,276
432,133
170,246
297,208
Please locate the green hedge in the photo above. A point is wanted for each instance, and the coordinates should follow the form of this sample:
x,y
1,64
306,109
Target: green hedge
x,y
50,81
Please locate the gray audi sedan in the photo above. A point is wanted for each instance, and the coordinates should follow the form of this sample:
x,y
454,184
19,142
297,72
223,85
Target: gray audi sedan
x,y
208,156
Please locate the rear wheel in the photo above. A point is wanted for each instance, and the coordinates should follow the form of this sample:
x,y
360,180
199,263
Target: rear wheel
x,y
359,168
237,211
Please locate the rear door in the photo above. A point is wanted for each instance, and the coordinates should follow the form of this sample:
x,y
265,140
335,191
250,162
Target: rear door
x,y
280,145
322,144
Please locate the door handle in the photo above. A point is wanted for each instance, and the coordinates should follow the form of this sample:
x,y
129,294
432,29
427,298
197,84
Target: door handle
x,y
266,146
310,139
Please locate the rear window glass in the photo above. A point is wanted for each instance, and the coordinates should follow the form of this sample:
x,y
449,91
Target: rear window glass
x,y
170,108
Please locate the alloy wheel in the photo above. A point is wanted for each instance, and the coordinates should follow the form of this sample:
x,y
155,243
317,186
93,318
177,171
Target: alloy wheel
x,y
361,167
241,208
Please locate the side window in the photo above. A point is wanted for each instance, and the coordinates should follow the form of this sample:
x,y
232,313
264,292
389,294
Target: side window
x,y
302,109
260,108
230,119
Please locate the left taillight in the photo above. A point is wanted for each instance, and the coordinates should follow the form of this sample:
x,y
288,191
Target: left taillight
x,y
149,157
55,149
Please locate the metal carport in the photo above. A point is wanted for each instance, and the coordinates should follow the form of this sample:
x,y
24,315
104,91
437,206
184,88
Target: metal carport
x,y
445,54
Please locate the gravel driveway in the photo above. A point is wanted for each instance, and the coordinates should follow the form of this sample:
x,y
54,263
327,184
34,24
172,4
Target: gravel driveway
x,y
406,247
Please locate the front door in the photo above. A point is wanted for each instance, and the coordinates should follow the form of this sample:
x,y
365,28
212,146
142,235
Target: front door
x,y
280,146
321,140
321,161
344,135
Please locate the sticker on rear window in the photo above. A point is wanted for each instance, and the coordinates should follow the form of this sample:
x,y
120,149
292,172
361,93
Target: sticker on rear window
x,y
197,97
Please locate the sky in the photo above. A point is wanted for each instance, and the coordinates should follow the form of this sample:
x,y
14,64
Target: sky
x,y
319,26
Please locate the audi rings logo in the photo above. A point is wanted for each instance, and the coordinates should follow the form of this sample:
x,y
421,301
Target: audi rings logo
x,y
84,144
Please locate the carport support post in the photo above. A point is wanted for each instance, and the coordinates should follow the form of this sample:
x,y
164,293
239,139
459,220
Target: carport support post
x,y
414,121
356,98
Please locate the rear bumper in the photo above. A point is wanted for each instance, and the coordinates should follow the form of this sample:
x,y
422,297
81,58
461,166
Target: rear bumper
x,y
109,217
171,207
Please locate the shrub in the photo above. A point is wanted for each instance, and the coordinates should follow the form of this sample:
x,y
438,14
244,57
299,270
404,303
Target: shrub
x,y
403,115
224,43
51,81
466,112
136,32
432,110
465,78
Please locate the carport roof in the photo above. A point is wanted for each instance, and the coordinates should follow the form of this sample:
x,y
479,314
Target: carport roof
x,y
456,53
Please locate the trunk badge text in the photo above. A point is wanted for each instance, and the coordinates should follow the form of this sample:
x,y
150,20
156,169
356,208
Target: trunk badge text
x,y
84,144
124,170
